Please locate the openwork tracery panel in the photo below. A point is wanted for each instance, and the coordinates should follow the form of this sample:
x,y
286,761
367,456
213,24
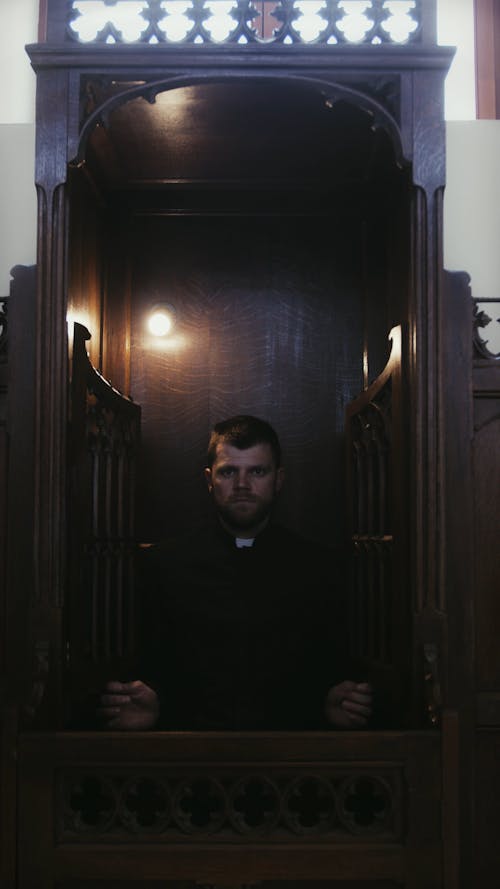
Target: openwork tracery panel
x,y
373,537
486,328
337,804
327,22
112,444
105,439
374,446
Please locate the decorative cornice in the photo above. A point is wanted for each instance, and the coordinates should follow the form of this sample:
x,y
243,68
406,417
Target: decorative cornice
x,y
163,58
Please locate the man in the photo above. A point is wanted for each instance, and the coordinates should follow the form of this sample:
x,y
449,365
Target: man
x,y
243,632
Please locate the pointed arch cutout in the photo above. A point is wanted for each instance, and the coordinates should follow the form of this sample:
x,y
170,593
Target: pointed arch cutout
x,y
332,93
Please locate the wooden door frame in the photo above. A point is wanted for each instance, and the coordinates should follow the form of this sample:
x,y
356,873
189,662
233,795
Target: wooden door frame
x,y
421,132
420,73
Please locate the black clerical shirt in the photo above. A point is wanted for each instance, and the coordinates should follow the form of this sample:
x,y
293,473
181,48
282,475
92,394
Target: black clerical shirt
x,y
240,638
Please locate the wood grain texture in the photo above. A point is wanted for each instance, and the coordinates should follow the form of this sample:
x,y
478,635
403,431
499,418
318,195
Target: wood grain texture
x,y
487,564
269,322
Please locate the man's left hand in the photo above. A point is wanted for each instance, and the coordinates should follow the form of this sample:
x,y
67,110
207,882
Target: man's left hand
x,y
349,704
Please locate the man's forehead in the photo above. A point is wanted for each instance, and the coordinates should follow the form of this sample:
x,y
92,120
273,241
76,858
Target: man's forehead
x,y
261,453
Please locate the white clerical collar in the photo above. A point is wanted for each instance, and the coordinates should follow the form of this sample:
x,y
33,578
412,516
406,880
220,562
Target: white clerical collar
x,y
244,541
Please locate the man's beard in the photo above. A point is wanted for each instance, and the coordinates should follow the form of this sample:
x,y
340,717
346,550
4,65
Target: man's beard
x,y
239,520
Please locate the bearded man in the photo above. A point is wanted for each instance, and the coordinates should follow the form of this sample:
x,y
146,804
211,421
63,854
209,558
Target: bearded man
x,y
244,631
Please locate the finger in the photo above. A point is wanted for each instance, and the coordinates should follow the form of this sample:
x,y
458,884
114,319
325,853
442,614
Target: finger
x,y
346,687
356,698
114,700
114,686
136,688
355,706
108,712
355,709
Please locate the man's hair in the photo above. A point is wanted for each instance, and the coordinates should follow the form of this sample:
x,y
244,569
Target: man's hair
x,y
243,431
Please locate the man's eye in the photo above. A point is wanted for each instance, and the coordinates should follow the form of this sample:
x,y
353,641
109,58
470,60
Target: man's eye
x,y
259,470
227,472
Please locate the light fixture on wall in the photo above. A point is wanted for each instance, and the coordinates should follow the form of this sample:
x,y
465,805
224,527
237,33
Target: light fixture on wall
x,y
161,320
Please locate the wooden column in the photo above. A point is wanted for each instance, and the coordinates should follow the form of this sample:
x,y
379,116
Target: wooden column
x,y
487,39
49,534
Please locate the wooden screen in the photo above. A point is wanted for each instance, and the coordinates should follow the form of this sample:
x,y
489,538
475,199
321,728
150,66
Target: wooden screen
x,y
377,498
105,427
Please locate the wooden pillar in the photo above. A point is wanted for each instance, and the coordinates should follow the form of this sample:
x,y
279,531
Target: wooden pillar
x,y
487,40
49,535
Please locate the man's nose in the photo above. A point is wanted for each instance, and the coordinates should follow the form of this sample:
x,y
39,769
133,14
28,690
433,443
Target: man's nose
x,y
242,479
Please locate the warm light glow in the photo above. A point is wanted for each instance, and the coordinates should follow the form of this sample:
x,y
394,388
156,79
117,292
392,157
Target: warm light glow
x,y
77,317
160,322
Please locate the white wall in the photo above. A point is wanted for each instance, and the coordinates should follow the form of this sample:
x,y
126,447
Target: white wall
x,y
18,26
455,26
472,196
472,212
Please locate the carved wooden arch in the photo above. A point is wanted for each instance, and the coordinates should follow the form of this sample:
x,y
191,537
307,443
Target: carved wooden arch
x,y
332,91
355,75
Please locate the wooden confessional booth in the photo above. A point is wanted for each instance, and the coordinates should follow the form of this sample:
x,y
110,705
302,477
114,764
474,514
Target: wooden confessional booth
x,y
281,191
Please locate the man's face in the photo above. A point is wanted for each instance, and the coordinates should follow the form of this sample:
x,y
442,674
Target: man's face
x,y
244,485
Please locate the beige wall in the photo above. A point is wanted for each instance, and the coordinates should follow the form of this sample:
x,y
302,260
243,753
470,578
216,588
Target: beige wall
x,y
472,212
472,200
18,26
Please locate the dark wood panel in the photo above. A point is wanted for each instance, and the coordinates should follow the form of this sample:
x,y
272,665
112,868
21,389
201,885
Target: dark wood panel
x,y
239,131
487,824
88,787
269,321
486,561
87,261
265,884
4,466
17,667
116,332
20,631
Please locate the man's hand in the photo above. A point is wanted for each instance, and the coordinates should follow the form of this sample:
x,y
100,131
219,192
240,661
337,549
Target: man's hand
x,y
129,706
349,704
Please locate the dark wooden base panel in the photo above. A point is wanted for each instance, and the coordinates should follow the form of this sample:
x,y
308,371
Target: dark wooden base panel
x,y
231,809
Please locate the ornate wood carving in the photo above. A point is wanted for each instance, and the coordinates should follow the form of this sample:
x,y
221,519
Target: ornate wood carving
x,y
432,683
481,321
333,804
104,444
243,21
39,679
99,95
232,808
416,861
4,317
377,482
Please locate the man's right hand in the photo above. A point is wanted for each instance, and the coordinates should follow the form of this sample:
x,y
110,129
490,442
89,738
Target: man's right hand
x,y
129,706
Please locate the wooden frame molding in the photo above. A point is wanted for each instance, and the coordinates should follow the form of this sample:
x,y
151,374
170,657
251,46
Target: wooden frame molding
x,y
487,46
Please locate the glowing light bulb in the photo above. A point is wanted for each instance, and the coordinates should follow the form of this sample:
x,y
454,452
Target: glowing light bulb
x,y
160,322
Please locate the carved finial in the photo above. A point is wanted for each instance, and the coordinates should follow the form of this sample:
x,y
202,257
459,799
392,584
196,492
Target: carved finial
x,y
432,684
481,319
